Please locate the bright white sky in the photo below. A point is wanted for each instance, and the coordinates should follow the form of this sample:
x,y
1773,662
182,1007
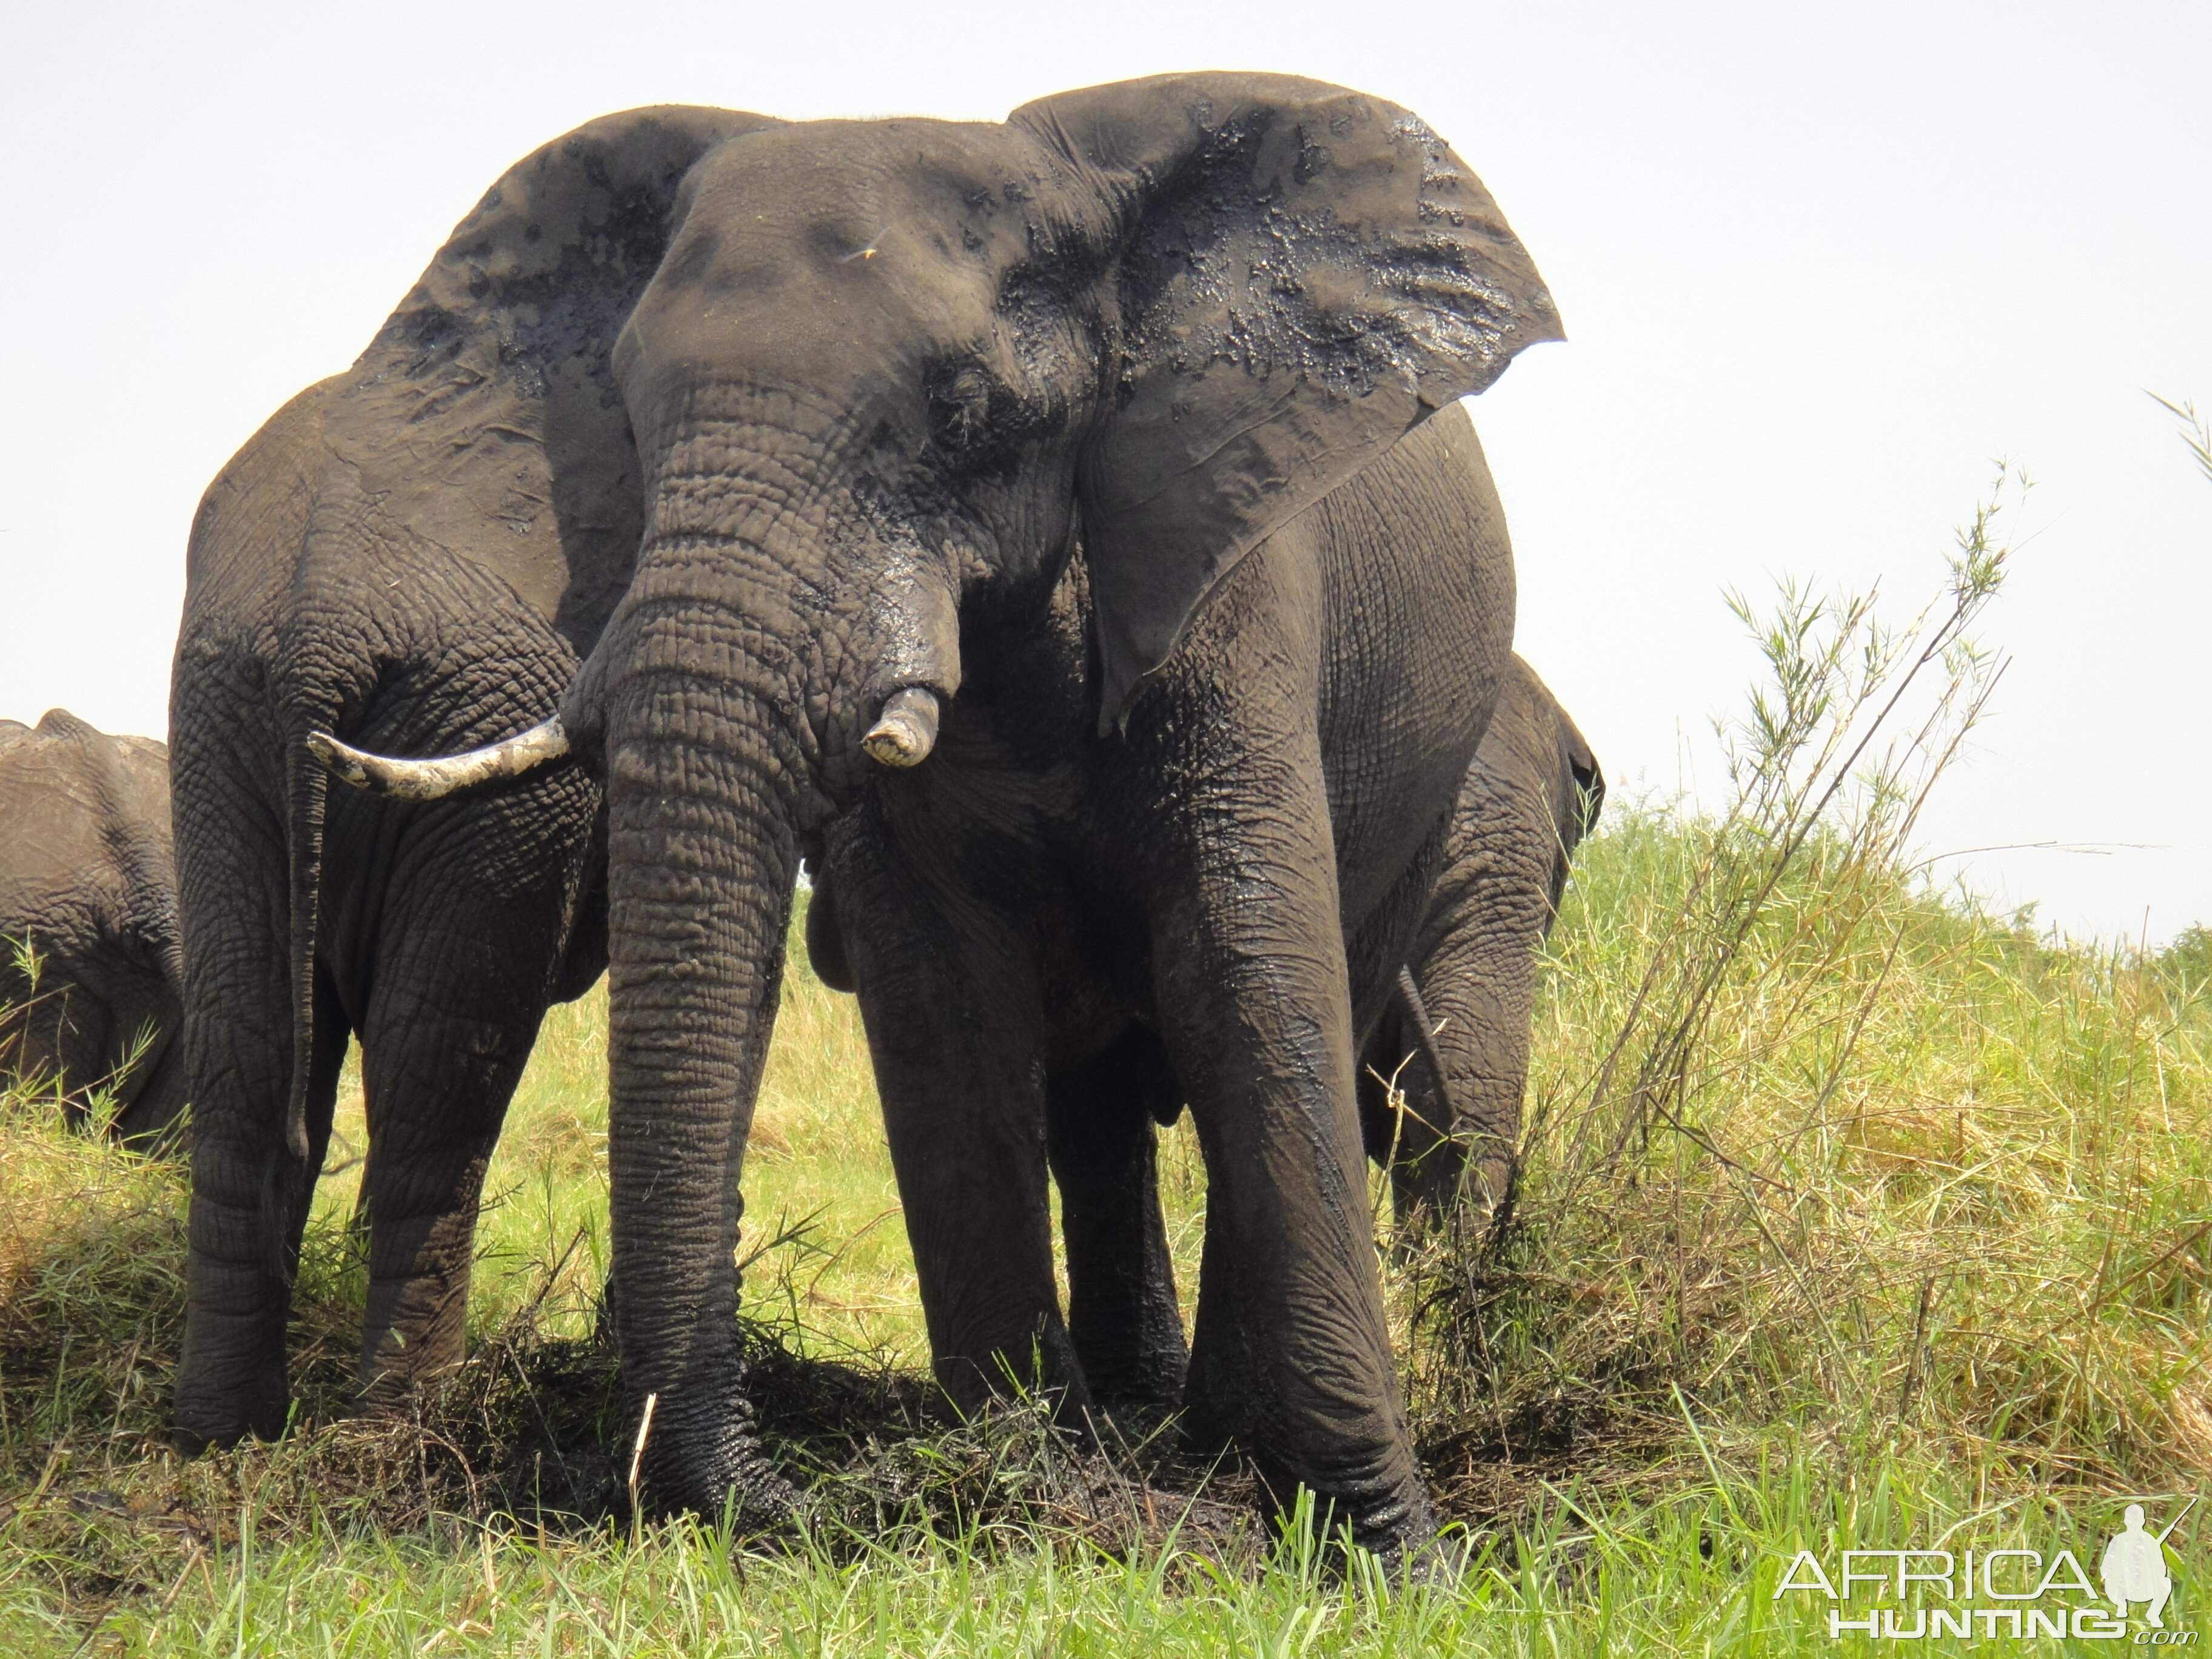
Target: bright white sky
x,y
1819,264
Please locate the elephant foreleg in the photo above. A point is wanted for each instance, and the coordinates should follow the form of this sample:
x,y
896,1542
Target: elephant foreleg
x,y
1408,1115
1477,980
1291,1354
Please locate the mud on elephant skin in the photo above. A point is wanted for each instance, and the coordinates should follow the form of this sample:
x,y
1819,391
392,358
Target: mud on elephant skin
x,y
91,979
883,372
419,552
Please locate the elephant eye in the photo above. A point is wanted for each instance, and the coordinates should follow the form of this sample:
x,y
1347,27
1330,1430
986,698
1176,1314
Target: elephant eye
x,y
959,407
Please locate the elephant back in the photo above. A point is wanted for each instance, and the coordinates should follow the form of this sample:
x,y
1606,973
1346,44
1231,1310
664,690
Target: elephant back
x,y
87,873
84,821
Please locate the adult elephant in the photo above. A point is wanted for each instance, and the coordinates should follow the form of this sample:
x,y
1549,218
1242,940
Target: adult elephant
x,y
420,550
1442,1071
1202,775
90,977
1455,1040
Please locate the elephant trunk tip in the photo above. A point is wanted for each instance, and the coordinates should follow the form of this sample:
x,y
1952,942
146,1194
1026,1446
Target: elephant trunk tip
x,y
906,731
435,778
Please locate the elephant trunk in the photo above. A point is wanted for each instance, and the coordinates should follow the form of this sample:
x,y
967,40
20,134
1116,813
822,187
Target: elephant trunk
x,y
703,855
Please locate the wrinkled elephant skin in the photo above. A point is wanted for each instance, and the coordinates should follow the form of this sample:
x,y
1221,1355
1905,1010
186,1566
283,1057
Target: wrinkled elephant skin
x,y
1440,1111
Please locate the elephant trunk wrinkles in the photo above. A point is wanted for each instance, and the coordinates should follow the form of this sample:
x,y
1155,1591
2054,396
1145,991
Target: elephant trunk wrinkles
x,y
702,858
765,655
820,586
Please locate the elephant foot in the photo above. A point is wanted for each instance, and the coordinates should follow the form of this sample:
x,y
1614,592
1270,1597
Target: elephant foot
x,y
1134,1418
1441,1563
1401,1533
1147,1382
1207,1439
217,1405
710,1463
196,1427
393,1381
742,1485
1401,1536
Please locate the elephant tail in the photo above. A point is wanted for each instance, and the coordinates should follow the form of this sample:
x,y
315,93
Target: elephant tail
x,y
286,1181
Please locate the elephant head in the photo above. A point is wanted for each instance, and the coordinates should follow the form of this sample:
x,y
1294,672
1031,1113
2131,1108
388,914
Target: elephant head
x,y
883,376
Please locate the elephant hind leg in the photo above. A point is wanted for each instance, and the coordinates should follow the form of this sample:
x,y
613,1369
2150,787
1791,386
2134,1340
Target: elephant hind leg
x,y
233,1379
247,1205
450,1019
149,1119
949,993
1123,1316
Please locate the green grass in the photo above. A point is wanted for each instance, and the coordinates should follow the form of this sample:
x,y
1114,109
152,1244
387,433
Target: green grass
x,y
1852,1216
1667,1416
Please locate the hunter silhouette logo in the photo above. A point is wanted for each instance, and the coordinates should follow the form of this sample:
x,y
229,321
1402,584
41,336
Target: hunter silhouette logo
x,y
1911,1595
2134,1566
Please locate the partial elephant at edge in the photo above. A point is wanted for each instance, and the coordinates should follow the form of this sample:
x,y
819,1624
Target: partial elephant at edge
x,y
91,979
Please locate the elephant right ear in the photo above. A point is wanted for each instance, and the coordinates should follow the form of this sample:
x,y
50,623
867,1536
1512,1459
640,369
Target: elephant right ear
x,y
1300,275
1588,782
485,413
1589,790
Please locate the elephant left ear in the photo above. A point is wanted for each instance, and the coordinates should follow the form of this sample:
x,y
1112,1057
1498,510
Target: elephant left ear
x,y
484,416
1302,274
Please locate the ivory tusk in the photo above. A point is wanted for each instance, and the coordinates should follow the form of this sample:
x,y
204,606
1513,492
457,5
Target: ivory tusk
x,y
906,731
438,777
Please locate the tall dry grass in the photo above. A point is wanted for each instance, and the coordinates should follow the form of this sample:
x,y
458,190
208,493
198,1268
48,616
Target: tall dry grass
x,y
1819,1151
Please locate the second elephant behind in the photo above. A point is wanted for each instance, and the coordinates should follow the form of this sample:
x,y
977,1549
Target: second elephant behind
x,y
1455,1041
90,969
1452,1047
